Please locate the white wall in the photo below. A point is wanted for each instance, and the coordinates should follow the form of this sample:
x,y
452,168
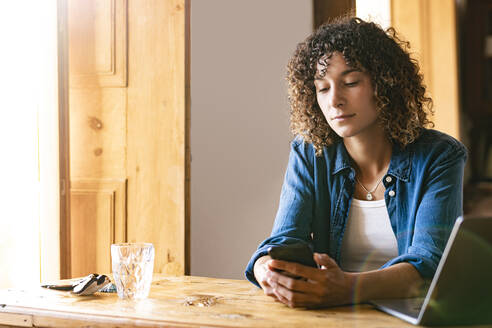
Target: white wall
x,y
239,125
378,11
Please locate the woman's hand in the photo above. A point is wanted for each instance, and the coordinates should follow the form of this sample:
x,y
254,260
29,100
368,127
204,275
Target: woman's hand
x,y
261,270
327,286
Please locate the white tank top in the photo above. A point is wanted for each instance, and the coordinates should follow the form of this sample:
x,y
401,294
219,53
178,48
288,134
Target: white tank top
x,y
368,241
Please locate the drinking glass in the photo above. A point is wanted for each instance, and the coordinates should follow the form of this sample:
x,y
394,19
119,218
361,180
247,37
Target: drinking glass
x,y
133,264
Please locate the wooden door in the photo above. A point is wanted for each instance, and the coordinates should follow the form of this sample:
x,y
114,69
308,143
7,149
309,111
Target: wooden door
x,y
430,26
128,134
324,11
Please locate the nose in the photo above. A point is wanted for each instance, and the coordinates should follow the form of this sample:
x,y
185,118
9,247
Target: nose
x,y
337,98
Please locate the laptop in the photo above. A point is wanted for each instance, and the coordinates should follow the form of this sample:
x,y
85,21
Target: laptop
x,y
461,291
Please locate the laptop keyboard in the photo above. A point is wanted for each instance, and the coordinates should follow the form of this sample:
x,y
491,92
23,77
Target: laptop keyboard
x,y
408,306
415,303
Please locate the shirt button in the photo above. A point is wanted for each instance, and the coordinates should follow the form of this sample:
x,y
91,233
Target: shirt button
x,y
388,179
392,193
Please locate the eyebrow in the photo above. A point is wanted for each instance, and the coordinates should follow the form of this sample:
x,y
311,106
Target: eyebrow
x,y
342,74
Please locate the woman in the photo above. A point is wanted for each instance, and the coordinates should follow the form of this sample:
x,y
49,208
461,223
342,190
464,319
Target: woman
x,y
371,189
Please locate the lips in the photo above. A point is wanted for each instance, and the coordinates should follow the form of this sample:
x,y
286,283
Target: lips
x,y
342,117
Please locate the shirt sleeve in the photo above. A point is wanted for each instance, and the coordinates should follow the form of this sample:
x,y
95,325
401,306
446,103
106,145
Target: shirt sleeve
x,y
295,211
441,204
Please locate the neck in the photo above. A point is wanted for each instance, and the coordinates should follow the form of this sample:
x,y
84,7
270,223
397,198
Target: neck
x,y
370,153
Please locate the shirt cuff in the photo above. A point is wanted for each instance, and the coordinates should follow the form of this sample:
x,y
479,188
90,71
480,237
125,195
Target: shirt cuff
x,y
249,272
424,261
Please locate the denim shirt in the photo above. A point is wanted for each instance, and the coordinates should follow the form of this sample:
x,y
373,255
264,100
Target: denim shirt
x,y
424,196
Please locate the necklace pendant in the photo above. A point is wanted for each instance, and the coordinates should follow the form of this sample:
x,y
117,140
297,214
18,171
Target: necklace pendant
x,y
369,196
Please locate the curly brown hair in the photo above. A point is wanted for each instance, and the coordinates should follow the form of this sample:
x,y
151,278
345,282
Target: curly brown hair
x,y
399,92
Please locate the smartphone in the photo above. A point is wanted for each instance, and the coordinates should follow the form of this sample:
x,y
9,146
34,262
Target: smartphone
x,y
299,253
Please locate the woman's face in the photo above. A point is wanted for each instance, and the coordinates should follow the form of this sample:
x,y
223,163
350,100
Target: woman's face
x,y
346,98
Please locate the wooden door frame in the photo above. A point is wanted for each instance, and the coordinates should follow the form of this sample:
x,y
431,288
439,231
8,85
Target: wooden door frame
x,y
187,136
64,139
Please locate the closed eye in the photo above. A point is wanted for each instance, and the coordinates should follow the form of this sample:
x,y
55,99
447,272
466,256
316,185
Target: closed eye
x,y
323,90
351,84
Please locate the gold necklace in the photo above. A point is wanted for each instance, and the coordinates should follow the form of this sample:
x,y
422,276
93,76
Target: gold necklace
x,y
369,195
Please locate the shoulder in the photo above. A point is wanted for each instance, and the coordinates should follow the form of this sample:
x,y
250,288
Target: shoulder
x,y
433,139
307,150
301,147
333,157
432,143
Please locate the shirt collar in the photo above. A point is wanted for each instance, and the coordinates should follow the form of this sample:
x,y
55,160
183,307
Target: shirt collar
x,y
400,164
342,159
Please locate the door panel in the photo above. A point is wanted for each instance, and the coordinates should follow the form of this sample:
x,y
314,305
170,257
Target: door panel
x,y
98,130
98,43
98,220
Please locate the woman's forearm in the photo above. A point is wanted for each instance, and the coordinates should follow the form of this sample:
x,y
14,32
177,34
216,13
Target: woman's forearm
x,y
397,281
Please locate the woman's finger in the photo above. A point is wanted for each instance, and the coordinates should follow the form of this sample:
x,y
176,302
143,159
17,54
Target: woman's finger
x,y
324,260
293,298
269,291
292,268
298,285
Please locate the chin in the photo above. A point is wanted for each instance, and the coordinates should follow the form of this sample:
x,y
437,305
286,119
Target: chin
x,y
346,133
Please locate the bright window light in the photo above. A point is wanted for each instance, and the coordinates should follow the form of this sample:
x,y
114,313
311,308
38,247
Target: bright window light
x,y
28,83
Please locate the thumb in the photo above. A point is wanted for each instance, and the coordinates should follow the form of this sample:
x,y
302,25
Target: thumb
x,y
324,261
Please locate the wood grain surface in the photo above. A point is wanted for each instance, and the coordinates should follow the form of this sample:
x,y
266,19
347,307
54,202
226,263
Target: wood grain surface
x,y
156,130
178,302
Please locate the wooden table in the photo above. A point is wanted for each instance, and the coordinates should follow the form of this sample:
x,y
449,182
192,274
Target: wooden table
x,y
178,302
